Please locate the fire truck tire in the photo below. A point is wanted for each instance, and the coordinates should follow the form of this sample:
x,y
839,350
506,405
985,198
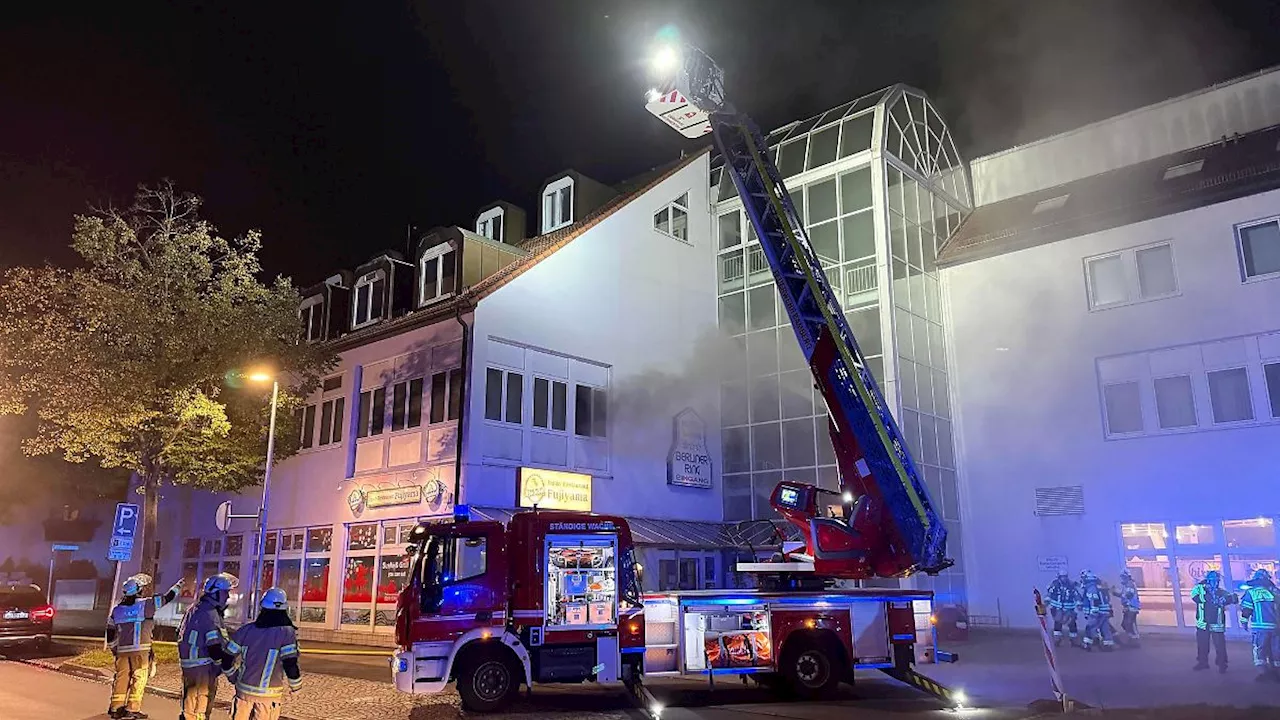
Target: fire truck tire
x,y
811,668
488,679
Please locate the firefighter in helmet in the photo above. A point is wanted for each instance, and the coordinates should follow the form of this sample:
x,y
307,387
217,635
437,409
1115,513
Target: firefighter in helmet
x,y
1095,605
1064,596
1131,605
268,660
1259,609
204,648
1211,620
129,628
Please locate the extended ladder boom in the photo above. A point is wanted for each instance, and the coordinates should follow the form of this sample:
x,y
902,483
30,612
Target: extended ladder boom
x,y
892,529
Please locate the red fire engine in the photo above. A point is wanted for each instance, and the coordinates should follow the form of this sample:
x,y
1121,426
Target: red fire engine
x,y
555,597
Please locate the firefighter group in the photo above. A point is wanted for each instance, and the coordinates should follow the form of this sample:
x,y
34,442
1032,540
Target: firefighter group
x,y
1089,602
260,658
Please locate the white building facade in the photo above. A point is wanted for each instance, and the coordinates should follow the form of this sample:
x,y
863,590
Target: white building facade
x,y
1114,319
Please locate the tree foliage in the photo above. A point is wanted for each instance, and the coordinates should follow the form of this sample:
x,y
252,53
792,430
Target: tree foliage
x,y
132,360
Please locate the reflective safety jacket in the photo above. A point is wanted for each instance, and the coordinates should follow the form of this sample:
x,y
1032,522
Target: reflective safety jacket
x,y
1129,599
1260,606
268,660
130,624
1063,594
1211,607
1095,600
200,633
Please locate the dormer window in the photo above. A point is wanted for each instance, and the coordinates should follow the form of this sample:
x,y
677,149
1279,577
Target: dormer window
x,y
438,273
673,218
489,224
367,301
557,205
311,317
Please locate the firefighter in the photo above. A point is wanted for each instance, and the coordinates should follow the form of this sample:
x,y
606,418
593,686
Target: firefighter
x,y
1211,620
1063,598
204,647
1095,605
1131,605
129,629
1259,611
268,661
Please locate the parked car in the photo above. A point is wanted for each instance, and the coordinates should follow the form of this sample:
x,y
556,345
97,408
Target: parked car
x,y
25,616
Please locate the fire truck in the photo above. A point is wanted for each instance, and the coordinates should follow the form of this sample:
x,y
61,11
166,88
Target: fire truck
x,y
555,597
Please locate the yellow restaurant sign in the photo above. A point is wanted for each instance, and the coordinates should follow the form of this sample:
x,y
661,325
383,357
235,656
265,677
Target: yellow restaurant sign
x,y
553,490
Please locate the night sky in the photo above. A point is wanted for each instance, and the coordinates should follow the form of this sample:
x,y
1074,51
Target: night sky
x,y
332,126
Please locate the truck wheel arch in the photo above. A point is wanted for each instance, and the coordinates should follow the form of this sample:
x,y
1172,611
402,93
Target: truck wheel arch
x,y
476,638
799,640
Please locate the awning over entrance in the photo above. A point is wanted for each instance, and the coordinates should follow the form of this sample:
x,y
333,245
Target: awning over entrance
x,y
684,533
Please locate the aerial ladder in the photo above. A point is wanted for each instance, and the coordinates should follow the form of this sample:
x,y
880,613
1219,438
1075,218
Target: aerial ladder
x,y
889,527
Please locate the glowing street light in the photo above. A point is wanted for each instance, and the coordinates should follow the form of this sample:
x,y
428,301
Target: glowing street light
x,y
263,376
665,60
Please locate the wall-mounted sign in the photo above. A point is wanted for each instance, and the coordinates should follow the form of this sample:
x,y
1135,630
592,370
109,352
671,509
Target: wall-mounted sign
x,y
689,462
554,490
1052,563
412,488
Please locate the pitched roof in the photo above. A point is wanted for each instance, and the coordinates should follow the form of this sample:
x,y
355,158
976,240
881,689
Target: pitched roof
x,y
1232,168
538,248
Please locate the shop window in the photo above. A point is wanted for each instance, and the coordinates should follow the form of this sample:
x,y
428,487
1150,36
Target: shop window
x,y
1254,532
550,403
393,576
234,546
315,590
292,541
406,404
1155,589
582,590
190,581
269,546
1196,534
357,590
503,396
191,548
213,547
446,395
319,540
289,580
590,411
1145,536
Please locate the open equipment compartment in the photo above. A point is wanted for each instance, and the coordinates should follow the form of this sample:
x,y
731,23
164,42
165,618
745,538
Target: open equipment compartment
x,y
727,638
582,582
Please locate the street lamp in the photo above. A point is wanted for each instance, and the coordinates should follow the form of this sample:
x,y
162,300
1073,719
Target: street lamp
x,y
261,376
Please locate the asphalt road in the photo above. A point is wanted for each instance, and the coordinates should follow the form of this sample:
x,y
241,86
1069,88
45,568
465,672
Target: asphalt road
x,y
32,693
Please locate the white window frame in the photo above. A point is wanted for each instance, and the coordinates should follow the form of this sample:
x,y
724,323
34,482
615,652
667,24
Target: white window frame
x,y
551,415
1239,238
596,393
486,227
552,221
370,279
1129,265
436,253
525,396
312,320
669,208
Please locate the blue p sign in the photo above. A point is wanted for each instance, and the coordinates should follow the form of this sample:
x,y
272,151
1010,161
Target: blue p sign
x,y
126,521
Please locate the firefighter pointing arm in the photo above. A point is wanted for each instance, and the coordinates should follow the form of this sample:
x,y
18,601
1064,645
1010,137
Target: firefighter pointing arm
x,y
268,665
129,628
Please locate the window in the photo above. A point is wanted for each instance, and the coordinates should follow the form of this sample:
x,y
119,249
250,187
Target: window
x,y
503,396
730,227
550,403
1123,408
438,274
590,411
1184,169
557,205
470,558
308,426
1052,203
1229,395
406,404
1260,249
331,383
1272,373
446,395
673,219
1175,403
369,295
311,316
331,421
1133,275
372,412
489,224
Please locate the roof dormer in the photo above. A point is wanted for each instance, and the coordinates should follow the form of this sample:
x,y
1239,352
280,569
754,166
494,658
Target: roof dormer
x,y
311,318
568,198
383,289
501,222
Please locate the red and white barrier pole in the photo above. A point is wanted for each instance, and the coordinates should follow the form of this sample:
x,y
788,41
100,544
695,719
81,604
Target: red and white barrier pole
x,y
1050,656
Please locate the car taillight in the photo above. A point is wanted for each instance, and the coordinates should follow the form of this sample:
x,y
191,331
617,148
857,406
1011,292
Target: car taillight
x,y
44,612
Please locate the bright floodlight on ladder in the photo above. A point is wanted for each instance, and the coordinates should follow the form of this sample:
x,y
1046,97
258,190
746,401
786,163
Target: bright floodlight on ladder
x,y
689,87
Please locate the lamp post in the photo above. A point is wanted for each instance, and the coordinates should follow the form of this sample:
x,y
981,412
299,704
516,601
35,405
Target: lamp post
x,y
260,550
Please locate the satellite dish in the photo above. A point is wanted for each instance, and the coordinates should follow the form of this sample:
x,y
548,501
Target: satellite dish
x,y
222,516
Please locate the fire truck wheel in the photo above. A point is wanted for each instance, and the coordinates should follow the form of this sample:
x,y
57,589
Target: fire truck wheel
x,y
488,679
810,669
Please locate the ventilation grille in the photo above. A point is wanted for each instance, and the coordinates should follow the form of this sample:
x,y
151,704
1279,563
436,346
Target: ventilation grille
x,y
1068,500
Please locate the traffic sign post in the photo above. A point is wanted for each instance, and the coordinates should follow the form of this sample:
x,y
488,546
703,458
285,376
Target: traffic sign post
x,y
124,527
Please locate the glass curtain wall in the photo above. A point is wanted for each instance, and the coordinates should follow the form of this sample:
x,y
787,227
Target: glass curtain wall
x,y
879,187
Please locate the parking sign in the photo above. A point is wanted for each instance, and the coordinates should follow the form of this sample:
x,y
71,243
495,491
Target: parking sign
x,y
123,529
